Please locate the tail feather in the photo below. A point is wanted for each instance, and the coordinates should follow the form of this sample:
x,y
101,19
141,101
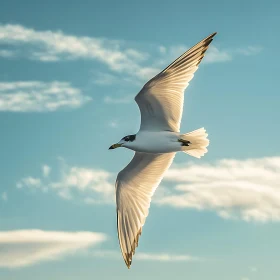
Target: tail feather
x,y
198,142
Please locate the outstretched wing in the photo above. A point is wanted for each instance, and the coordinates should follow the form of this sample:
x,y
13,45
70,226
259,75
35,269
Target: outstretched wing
x,y
135,186
161,99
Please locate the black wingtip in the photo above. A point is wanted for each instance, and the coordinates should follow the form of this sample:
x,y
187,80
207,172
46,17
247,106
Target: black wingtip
x,y
213,34
128,263
210,37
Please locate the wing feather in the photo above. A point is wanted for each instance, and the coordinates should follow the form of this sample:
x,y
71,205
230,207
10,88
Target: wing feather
x,y
161,99
135,186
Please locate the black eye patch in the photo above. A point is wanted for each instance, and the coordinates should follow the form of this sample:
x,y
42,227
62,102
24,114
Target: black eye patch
x,y
129,138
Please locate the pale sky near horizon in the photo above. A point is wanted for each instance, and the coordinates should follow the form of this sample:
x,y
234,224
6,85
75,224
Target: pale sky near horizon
x,y
69,71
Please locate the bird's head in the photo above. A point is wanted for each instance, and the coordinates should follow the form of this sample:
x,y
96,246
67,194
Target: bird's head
x,y
124,142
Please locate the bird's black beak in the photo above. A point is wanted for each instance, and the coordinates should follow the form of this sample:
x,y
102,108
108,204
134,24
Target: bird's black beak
x,y
114,146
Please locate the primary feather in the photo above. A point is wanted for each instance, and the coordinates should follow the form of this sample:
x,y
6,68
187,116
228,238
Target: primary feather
x,y
135,186
161,99
161,105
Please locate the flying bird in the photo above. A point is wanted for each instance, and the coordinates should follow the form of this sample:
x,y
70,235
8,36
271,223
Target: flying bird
x,y
161,105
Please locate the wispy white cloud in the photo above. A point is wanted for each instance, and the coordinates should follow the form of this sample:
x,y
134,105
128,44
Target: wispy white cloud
x,y
121,79
46,170
93,186
250,50
4,196
234,189
7,53
159,257
118,100
36,96
50,46
213,55
85,179
165,257
27,247
246,189
216,55
113,124
105,79
146,73
65,193
253,269
29,181
162,49
117,55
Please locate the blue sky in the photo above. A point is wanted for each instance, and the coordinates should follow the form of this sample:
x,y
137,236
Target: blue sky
x,y
68,74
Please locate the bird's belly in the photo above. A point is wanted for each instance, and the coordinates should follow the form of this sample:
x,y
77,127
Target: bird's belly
x,y
157,142
158,149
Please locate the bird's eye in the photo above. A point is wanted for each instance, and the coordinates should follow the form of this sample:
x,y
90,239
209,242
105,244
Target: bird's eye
x,y
126,139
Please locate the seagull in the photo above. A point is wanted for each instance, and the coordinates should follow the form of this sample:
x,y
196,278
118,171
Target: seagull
x,y
161,105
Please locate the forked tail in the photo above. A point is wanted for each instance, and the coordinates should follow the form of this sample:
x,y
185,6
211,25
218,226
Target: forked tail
x,y
194,143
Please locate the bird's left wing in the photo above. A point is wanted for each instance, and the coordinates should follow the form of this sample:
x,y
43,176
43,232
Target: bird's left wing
x,y
161,99
135,186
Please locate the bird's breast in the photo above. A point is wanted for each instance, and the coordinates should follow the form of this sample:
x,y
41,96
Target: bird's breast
x,y
156,142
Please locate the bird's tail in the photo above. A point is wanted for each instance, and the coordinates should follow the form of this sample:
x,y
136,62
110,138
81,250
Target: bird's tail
x,y
194,143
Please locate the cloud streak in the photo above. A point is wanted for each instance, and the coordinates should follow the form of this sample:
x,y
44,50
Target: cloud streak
x,y
4,196
6,53
117,55
93,186
250,50
27,247
245,189
50,46
164,257
234,189
140,256
213,54
46,170
21,248
36,96
120,100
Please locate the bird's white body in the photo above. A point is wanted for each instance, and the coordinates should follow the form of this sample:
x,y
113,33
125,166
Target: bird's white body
x,y
155,142
161,105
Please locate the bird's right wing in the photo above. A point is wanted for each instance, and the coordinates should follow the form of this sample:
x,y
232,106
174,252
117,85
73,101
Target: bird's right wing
x,y
135,186
161,99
